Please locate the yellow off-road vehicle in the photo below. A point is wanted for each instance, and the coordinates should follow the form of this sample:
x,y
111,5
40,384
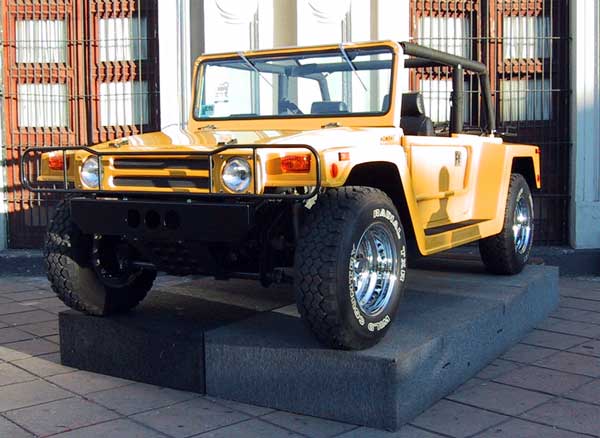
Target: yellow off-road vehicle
x,y
313,165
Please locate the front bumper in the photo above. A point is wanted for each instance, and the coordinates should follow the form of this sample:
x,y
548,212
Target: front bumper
x,y
165,220
166,181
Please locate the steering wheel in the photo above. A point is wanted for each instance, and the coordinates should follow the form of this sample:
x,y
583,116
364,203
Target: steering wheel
x,y
287,107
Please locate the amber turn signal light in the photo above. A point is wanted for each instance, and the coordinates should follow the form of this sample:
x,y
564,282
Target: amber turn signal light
x,y
295,164
56,161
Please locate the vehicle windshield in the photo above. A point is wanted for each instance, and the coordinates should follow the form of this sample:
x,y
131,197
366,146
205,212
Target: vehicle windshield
x,y
342,82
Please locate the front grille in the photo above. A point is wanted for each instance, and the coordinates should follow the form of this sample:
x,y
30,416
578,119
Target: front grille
x,y
162,163
162,173
162,183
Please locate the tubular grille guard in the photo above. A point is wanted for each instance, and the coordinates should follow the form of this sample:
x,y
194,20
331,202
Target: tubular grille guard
x,y
30,153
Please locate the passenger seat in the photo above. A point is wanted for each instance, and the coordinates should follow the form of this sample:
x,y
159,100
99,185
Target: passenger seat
x,y
413,120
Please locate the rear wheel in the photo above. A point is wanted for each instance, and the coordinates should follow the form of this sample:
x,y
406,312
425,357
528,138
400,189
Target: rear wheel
x,y
92,274
350,267
508,251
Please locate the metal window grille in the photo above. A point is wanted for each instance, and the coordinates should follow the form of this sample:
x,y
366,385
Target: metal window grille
x,y
524,43
75,73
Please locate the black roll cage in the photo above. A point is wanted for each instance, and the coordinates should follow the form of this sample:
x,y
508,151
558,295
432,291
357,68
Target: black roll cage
x,y
426,57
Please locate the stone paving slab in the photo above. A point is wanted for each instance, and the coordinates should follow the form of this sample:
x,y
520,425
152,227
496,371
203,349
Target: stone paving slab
x,y
543,380
139,397
570,414
190,417
22,395
496,397
457,419
10,429
121,428
60,416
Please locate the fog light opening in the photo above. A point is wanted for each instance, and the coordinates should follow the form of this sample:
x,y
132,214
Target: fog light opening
x,y
152,220
172,220
133,218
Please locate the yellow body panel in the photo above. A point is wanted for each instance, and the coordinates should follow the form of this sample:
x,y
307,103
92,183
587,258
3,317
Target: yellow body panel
x,y
445,180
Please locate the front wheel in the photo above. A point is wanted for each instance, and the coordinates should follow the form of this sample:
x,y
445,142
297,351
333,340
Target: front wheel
x,y
92,274
350,267
508,252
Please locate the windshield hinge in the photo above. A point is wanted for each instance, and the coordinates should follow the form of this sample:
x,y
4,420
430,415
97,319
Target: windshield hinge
x,y
228,142
207,128
331,125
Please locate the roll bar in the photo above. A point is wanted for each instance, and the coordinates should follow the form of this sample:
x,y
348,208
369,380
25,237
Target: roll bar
x,y
427,57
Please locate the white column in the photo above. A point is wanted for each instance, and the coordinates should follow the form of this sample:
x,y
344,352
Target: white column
x,y
392,19
3,203
585,124
285,21
174,43
230,25
323,21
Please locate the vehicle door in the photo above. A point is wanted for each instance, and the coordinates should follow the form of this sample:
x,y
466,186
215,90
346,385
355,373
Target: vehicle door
x,y
439,169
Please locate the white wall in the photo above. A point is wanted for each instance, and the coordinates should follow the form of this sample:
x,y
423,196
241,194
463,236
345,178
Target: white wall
x,y
585,126
3,203
174,44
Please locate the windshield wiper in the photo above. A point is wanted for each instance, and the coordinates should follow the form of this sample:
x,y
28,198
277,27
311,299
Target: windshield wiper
x,y
347,59
253,67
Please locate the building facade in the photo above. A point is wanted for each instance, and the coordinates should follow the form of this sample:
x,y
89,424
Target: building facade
x,y
137,56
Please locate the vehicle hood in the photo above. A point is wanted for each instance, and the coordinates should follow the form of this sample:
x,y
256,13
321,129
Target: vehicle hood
x,y
178,139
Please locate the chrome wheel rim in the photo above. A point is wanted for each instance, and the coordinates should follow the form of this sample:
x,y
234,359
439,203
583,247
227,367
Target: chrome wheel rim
x,y
522,224
373,269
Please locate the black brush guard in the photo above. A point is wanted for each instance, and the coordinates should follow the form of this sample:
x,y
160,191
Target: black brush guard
x,y
31,154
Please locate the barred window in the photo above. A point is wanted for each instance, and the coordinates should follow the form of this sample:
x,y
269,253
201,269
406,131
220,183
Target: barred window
x,y
41,41
436,96
526,37
43,106
123,103
526,99
448,34
123,39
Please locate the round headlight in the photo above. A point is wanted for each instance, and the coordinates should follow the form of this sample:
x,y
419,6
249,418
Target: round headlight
x,y
236,175
89,172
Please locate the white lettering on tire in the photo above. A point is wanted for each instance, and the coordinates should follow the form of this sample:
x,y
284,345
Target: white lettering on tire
x,y
379,325
353,303
386,214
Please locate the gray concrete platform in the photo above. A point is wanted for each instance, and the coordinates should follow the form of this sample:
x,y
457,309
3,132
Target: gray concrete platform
x,y
161,341
451,324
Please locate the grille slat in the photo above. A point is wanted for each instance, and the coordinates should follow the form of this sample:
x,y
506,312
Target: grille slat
x,y
161,163
161,183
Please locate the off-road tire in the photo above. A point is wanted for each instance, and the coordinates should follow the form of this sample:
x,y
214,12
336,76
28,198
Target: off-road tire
x,y
67,256
498,253
322,276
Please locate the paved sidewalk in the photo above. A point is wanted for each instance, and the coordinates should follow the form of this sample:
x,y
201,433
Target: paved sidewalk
x,y
546,386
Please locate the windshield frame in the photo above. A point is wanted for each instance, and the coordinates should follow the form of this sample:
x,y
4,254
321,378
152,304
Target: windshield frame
x,y
323,50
